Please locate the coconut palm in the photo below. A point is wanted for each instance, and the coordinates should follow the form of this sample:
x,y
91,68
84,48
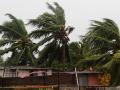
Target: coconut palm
x,y
15,35
53,33
103,39
103,36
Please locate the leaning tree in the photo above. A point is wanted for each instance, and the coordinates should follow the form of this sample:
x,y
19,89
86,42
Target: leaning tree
x,y
16,37
53,35
103,43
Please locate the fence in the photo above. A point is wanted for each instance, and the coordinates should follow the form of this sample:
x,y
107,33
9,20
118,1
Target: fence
x,y
62,88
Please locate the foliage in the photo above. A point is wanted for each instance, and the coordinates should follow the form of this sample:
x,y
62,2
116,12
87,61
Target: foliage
x,y
53,34
15,35
103,43
99,48
105,79
75,54
113,67
103,36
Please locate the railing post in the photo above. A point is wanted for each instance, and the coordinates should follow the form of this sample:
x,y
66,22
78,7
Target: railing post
x,y
58,80
77,80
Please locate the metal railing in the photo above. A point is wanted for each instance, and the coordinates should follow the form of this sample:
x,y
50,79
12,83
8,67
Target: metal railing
x,y
62,88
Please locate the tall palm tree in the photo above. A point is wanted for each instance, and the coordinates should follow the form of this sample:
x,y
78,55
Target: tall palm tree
x,y
15,35
103,39
53,33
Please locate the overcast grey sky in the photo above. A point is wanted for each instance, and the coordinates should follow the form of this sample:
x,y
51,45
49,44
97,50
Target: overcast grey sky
x,y
78,12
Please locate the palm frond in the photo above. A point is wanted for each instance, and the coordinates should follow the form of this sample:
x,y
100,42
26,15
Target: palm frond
x,y
9,30
7,50
40,33
93,60
20,25
5,42
43,41
104,26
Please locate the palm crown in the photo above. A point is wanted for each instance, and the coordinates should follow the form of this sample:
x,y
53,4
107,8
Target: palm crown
x,y
15,34
103,36
51,29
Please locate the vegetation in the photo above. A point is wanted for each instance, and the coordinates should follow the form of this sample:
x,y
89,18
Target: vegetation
x,y
99,48
15,35
53,33
105,79
102,41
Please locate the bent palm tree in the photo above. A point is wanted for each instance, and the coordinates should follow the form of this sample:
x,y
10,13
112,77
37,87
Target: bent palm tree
x,y
104,39
103,36
52,32
15,34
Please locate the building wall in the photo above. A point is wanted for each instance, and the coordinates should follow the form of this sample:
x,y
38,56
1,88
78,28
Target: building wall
x,y
51,79
23,73
64,79
93,80
1,73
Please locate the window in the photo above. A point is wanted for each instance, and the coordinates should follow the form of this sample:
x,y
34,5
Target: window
x,y
10,73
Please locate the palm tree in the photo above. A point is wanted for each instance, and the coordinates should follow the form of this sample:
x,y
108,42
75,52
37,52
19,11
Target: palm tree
x,y
53,33
15,35
103,36
103,40
88,58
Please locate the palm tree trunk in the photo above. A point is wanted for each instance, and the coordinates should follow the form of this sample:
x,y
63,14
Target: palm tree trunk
x,y
63,54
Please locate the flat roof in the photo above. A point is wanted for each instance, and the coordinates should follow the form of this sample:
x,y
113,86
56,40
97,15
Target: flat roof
x,y
23,67
80,72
